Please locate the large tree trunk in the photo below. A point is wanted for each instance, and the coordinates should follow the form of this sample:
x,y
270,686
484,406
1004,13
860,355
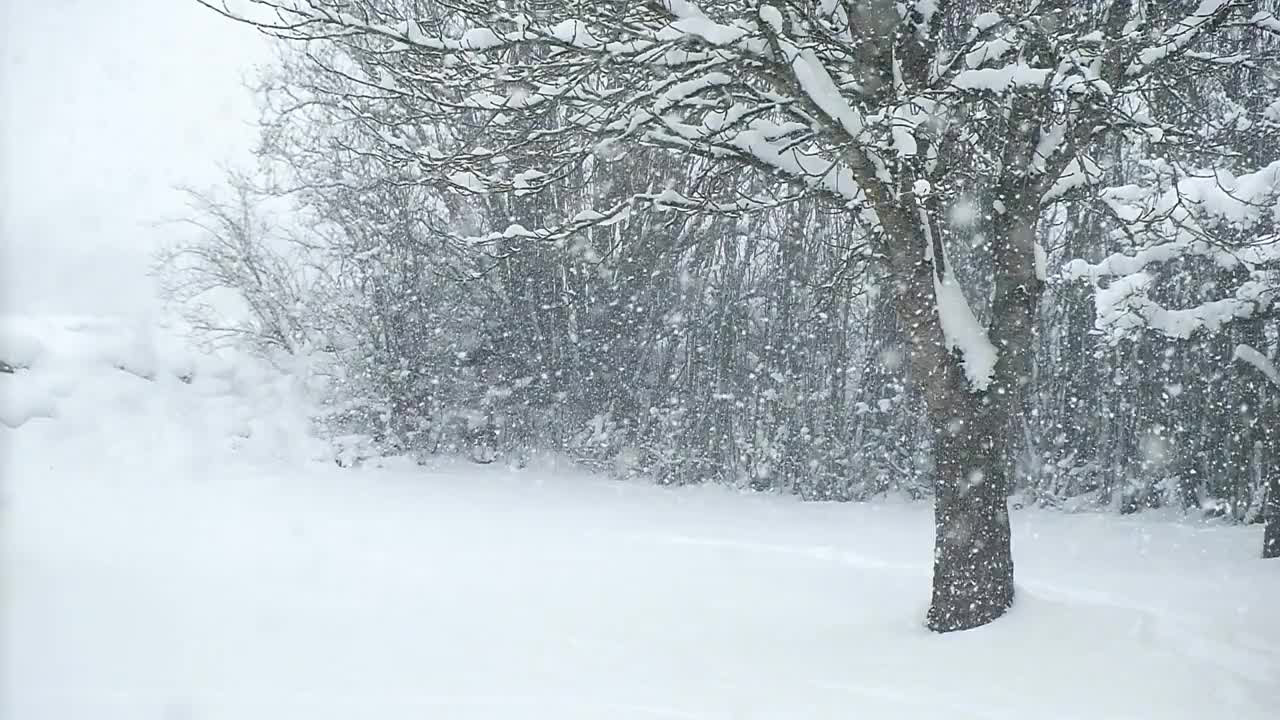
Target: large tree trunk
x,y
973,560
973,555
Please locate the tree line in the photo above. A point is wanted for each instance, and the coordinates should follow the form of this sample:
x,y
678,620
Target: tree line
x,y
950,248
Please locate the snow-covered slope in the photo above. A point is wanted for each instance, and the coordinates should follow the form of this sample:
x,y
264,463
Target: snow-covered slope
x,y
181,549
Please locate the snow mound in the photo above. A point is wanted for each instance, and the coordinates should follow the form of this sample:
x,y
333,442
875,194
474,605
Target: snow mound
x,y
138,388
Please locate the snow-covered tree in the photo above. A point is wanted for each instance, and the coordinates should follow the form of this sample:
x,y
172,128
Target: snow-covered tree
x,y
234,277
1230,222
895,113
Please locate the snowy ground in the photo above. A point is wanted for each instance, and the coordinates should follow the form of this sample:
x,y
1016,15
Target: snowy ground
x,y
182,551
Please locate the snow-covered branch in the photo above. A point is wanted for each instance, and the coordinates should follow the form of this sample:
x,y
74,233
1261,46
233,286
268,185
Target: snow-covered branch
x,y
1260,362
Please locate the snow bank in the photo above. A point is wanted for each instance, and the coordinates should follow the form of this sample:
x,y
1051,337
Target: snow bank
x,y
88,372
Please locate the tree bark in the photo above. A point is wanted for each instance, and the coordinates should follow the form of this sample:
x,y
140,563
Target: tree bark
x,y
973,553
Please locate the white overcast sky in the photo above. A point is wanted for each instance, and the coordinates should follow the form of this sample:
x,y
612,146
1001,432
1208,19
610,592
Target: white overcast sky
x,y
105,105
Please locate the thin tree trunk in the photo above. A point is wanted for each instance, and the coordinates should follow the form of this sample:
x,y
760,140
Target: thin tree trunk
x,y
1271,505
1271,532
1267,420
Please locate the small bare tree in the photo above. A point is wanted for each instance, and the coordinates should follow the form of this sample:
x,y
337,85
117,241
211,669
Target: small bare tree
x,y
235,258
